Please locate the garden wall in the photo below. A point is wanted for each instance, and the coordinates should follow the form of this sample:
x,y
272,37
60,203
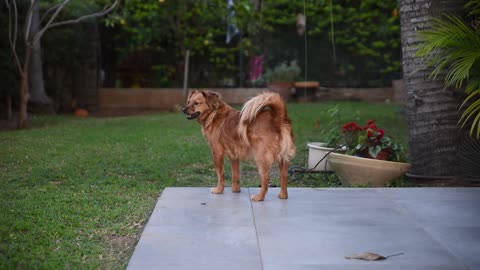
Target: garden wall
x,y
163,98
361,94
169,98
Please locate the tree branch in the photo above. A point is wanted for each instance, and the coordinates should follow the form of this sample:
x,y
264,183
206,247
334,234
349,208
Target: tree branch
x,y
82,18
50,9
40,33
50,23
12,39
28,21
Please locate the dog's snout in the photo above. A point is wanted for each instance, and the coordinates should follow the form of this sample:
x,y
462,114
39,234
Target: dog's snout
x,y
184,109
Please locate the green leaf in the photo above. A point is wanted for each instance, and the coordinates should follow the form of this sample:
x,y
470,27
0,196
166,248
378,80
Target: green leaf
x,y
373,151
453,46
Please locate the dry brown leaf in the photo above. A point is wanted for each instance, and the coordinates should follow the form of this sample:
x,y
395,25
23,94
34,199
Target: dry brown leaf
x,y
367,256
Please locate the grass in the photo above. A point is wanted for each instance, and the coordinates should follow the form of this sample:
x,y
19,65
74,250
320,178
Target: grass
x,y
76,193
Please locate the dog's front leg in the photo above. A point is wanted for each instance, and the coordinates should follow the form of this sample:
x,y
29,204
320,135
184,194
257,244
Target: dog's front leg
x,y
235,175
218,159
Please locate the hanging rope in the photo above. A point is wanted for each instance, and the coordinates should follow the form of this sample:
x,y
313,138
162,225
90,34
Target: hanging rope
x,y
333,32
306,52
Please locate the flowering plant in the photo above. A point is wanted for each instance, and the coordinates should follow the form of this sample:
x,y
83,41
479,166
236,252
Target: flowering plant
x,y
370,141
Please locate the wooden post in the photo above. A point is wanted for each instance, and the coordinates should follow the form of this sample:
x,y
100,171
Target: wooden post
x,y
185,74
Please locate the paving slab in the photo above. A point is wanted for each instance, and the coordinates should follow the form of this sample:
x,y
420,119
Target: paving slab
x,y
434,228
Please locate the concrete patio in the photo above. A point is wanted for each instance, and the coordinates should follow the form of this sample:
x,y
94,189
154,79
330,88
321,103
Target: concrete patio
x,y
435,228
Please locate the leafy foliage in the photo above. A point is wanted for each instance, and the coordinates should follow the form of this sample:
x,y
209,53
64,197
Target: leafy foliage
x,y
283,72
366,33
200,26
170,28
453,46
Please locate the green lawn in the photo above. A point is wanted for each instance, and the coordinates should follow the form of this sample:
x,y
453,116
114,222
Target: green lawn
x,y
76,193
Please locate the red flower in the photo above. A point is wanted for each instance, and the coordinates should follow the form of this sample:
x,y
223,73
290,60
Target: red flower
x,y
369,140
350,127
370,124
381,133
375,134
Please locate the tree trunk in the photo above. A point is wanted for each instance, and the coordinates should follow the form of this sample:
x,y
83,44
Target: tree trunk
x,y
38,97
432,112
24,94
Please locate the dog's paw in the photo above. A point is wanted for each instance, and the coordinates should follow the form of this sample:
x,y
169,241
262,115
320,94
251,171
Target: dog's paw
x,y
236,189
257,198
283,196
217,190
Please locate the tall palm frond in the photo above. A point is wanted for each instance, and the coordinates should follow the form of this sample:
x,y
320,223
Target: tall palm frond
x,y
453,46
474,7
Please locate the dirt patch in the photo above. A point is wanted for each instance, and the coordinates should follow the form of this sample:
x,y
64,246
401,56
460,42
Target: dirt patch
x,y
122,242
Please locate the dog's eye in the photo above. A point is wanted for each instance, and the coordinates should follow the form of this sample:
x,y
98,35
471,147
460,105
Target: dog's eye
x,y
196,103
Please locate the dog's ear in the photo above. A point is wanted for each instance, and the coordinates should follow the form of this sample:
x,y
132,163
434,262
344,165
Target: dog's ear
x,y
190,94
214,100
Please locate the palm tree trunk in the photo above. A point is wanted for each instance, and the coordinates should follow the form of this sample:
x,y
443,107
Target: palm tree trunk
x,y
432,111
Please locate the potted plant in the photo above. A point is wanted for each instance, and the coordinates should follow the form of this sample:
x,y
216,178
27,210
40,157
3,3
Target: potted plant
x,y
318,151
280,79
371,157
331,140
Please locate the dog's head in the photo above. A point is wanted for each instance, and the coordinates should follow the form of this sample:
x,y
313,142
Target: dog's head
x,y
201,103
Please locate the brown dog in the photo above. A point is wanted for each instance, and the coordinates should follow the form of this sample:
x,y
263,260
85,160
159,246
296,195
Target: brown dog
x,y
261,131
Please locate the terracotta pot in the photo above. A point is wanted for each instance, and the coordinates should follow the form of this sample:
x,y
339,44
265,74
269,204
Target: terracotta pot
x,y
310,84
283,88
306,91
352,170
81,113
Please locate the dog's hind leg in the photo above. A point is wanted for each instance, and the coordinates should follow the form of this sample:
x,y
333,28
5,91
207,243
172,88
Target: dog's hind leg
x,y
264,166
218,159
283,179
235,175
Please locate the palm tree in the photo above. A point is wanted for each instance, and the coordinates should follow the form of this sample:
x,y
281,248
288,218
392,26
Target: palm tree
x,y
453,46
432,111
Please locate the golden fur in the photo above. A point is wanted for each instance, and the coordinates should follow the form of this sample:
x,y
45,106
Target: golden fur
x,y
261,131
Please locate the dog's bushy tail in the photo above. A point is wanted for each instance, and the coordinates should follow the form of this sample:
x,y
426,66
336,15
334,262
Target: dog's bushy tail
x,y
269,101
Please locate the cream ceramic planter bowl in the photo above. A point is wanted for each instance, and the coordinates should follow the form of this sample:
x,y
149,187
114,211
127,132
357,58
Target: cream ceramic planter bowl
x,y
352,170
